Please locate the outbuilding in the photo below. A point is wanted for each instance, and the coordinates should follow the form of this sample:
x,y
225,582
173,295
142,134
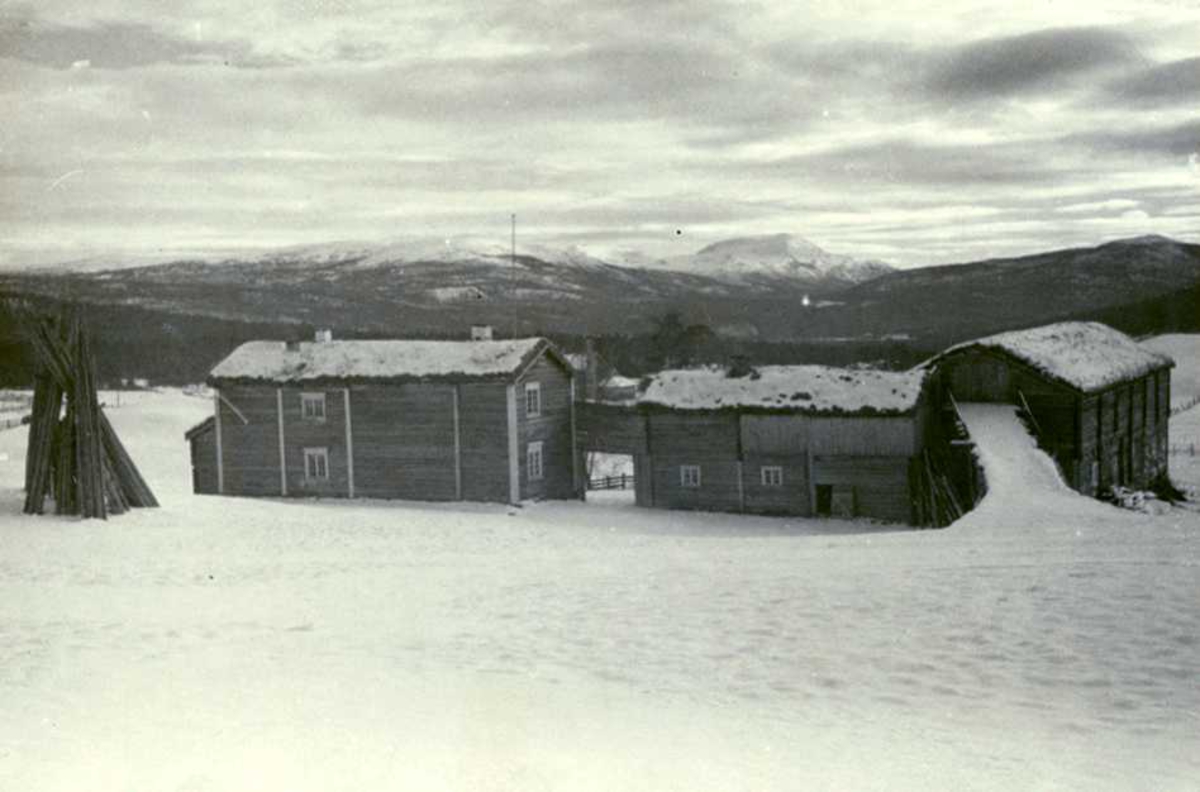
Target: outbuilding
x,y
798,440
1098,401
481,420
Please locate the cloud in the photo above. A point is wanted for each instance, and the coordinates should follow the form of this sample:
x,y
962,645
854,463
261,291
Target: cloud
x,y
116,45
1177,140
1110,205
1162,84
1028,63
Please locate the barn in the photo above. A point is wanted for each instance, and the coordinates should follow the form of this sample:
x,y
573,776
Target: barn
x,y
480,420
1098,401
797,440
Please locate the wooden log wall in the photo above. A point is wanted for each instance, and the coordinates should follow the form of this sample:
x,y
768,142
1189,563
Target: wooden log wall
x,y
552,428
404,441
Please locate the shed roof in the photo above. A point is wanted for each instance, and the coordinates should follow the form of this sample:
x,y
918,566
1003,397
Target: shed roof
x,y
1088,356
807,389
272,361
204,426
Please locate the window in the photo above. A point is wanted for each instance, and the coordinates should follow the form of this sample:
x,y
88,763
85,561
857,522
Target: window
x,y
533,399
316,464
772,475
533,461
312,406
689,476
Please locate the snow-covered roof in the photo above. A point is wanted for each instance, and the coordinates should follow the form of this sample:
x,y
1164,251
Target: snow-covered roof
x,y
272,361
1088,356
810,389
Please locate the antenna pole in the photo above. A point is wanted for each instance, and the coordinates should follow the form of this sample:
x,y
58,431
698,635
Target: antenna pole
x,y
512,268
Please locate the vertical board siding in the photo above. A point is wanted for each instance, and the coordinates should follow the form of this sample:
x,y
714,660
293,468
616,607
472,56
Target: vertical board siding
x,y
552,427
866,436
774,435
403,438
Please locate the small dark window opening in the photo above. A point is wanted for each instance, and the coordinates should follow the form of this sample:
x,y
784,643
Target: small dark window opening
x,y
824,500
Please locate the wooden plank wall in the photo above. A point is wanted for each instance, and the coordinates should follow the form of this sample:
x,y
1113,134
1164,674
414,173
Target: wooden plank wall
x,y
249,451
403,437
611,428
204,463
717,443
881,485
552,428
300,433
791,497
483,414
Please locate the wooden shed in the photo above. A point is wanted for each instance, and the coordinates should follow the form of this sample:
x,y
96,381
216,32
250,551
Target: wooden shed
x,y
800,440
1099,402
426,420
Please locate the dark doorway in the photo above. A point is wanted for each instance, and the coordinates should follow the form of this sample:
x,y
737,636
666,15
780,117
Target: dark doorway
x,y
824,500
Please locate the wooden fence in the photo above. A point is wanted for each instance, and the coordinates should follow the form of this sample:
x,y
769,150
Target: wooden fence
x,y
10,421
623,481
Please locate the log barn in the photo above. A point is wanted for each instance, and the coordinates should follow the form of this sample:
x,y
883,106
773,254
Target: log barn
x,y
480,420
795,440
1099,402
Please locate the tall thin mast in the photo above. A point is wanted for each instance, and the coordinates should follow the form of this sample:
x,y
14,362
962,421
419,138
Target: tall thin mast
x,y
512,269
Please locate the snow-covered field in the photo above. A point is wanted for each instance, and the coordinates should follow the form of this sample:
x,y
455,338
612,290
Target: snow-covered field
x,y
229,644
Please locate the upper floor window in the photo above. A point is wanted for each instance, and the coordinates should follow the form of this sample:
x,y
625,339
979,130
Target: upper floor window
x,y
312,406
533,461
533,399
772,475
689,476
316,464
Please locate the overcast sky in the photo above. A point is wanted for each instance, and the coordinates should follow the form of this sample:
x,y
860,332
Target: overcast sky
x,y
915,133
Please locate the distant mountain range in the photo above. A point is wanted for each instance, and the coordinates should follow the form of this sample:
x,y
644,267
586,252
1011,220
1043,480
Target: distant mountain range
x,y
751,288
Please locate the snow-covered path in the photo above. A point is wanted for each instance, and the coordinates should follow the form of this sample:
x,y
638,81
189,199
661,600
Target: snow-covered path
x,y
1024,485
232,644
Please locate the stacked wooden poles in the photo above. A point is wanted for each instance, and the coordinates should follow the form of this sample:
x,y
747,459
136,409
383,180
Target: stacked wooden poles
x,y
79,458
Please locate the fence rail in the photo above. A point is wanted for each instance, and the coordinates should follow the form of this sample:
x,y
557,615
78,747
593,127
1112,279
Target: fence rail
x,y
9,421
1187,405
623,481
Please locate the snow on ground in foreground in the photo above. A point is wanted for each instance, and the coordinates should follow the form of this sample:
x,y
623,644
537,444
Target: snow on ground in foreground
x,y
233,644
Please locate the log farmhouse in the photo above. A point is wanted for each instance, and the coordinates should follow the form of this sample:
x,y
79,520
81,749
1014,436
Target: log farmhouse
x,y
480,420
1098,402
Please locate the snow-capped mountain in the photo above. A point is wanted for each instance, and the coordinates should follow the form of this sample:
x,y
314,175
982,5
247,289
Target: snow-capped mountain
x,y
777,256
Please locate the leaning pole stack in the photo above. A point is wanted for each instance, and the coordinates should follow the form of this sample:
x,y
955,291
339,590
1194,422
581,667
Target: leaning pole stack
x,y
74,455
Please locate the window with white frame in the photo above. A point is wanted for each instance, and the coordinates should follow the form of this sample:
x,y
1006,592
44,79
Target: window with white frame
x,y
316,464
772,475
312,406
533,461
533,399
689,476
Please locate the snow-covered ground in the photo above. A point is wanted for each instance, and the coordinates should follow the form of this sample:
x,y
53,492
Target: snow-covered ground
x,y
232,644
1184,348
